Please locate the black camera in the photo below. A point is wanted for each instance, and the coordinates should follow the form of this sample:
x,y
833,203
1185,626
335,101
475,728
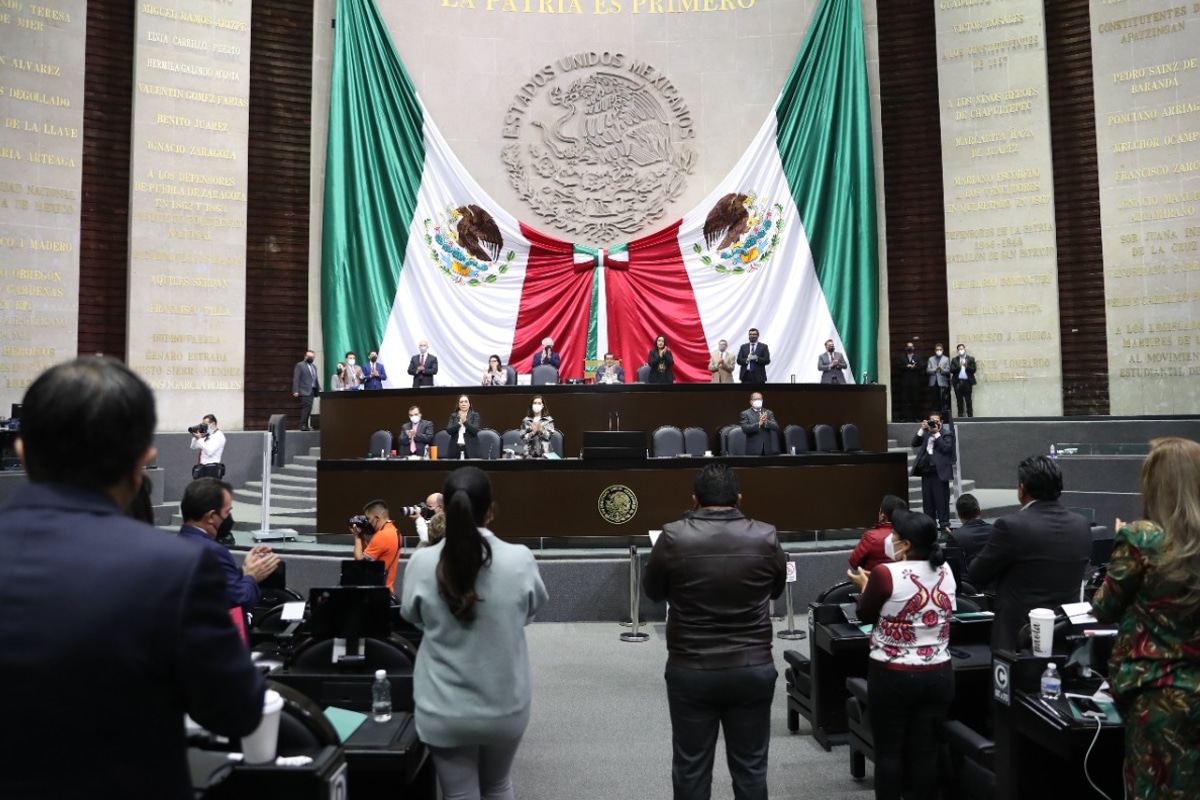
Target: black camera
x,y
933,423
423,509
362,525
201,429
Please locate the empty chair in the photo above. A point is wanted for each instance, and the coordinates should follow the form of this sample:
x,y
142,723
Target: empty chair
x,y
441,440
667,442
858,718
511,372
798,676
643,373
511,440
544,375
970,762
381,442
557,442
825,439
736,442
489,443
392,653
723,439
695,441
303,726
839,593
795,440
851,439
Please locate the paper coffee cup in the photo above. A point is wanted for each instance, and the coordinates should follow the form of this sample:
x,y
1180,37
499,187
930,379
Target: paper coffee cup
x,y
1041,631
260,746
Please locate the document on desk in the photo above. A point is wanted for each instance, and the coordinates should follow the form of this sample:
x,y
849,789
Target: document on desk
x,y
344,721
1079,613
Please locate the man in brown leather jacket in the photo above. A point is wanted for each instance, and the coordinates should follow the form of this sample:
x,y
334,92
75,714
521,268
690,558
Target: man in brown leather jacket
x,y
719,571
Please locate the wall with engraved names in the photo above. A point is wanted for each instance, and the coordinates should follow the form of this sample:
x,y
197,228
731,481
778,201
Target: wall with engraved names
x,y
41,155
1147,89
187,290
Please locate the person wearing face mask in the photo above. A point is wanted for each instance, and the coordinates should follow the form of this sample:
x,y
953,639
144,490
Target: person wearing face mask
x,y
753,357
547,355
721,363
337,382
385,541
938,370
934,447
906,375
207,511
373,374
871,550
416,434
910,681
962,378
832,365
306,385
423,366
353,376
760,427
537,429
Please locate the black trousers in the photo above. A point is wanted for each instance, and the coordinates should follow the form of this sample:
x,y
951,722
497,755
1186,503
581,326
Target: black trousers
x,y
702,701
306,401
935,499
939,400
907,709
962,392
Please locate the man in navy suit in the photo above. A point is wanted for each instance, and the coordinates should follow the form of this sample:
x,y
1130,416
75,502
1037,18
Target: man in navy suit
x,y
416,434
610,371
422,366
110,629
934,446
547,355
373,373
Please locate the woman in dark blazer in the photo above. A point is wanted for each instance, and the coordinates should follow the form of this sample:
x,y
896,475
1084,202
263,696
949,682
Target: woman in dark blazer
x,y
463,428
662,363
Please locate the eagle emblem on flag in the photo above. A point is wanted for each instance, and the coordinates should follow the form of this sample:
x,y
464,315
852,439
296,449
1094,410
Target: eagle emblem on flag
x,y
741,233
465,243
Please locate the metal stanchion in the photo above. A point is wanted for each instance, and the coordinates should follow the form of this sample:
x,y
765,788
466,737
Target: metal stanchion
x,y
791,632
635,596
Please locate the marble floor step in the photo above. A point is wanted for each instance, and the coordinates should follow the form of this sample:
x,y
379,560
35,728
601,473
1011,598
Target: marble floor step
x,y
279,489
278,501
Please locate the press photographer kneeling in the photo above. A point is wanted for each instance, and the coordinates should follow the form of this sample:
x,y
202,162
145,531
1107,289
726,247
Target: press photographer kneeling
x,y
376,539
210,441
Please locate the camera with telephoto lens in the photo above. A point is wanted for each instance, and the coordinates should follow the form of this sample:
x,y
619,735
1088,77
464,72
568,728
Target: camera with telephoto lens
x,y
362,525
201,429
423,509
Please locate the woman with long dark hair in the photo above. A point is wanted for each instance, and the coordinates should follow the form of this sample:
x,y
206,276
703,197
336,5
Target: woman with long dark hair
x,y
910,682
537,429
472,594
661,361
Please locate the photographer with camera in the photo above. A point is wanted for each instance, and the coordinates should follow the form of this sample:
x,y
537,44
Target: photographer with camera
x,y
210,441
934,447
376,539
422,514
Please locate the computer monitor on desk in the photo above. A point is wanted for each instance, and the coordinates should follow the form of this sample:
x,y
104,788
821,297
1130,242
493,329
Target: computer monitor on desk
x,y
350,613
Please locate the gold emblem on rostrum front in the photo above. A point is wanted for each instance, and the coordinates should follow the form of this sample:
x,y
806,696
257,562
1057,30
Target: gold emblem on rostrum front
x,y
617,504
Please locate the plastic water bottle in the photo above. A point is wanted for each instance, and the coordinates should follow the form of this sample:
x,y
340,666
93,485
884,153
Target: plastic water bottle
x,y
381,697
1053,454
1051,683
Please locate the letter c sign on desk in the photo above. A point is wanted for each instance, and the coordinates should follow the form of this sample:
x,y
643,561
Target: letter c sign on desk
x,y
1001,690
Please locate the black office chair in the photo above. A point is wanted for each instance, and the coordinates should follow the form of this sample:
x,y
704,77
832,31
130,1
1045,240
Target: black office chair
x,y
858,719
511,372
798,675
381,441
970,770
851,438
695,441
556,442
394,653
667,442
795,439
824,439
302,724
544,375
844,592
489,443
735,443
511,440
441,440
723,439
643,373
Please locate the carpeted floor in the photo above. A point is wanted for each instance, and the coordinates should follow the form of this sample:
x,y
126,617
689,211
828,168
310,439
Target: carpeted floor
x,y
600,729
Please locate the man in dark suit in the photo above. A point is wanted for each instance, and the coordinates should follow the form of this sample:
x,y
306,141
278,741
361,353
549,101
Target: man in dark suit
x,y
760,427
422,366
962,378
906,373
547,355
416,434
934,446
1034,558
974,533
610,371
832,364
306,384
374,373
109,627
753,357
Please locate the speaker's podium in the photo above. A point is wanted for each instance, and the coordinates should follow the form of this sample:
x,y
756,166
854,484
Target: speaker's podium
x,y
614,445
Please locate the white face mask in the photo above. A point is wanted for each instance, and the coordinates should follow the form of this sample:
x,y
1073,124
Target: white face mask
x,y
350,362
756,404
962,352
889,548
414,419
537,407
937,352
423,350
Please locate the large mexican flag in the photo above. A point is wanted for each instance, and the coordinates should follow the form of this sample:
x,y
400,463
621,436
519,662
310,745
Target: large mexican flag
x,y
415,249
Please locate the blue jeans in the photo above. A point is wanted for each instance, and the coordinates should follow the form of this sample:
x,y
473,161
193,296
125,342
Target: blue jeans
x,y
702,701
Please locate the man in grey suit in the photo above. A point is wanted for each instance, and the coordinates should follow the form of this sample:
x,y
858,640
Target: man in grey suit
x,y
938,370
832,364
1034,558
760,427
306,384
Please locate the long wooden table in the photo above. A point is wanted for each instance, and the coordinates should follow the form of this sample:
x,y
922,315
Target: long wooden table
x,y
538,498
348,419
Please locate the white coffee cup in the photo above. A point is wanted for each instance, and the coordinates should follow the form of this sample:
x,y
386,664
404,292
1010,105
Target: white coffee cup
x,y
1041,630
260,746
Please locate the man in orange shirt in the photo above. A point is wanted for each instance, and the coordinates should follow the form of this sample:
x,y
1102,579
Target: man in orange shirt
x,y
385,541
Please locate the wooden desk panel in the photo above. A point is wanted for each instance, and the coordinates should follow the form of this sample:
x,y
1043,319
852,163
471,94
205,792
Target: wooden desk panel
x,y
349,418
560,498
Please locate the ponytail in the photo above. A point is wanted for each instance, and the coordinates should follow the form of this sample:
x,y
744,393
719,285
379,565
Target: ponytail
x,y
937,556
465,550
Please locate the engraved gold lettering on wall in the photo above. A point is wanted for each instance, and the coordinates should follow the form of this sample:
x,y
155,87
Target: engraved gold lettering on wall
x,y
1147,92
583,8
41,119
188,210
1001,251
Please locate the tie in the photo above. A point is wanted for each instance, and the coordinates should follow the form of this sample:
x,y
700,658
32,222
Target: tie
x,y
412,440
422,361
